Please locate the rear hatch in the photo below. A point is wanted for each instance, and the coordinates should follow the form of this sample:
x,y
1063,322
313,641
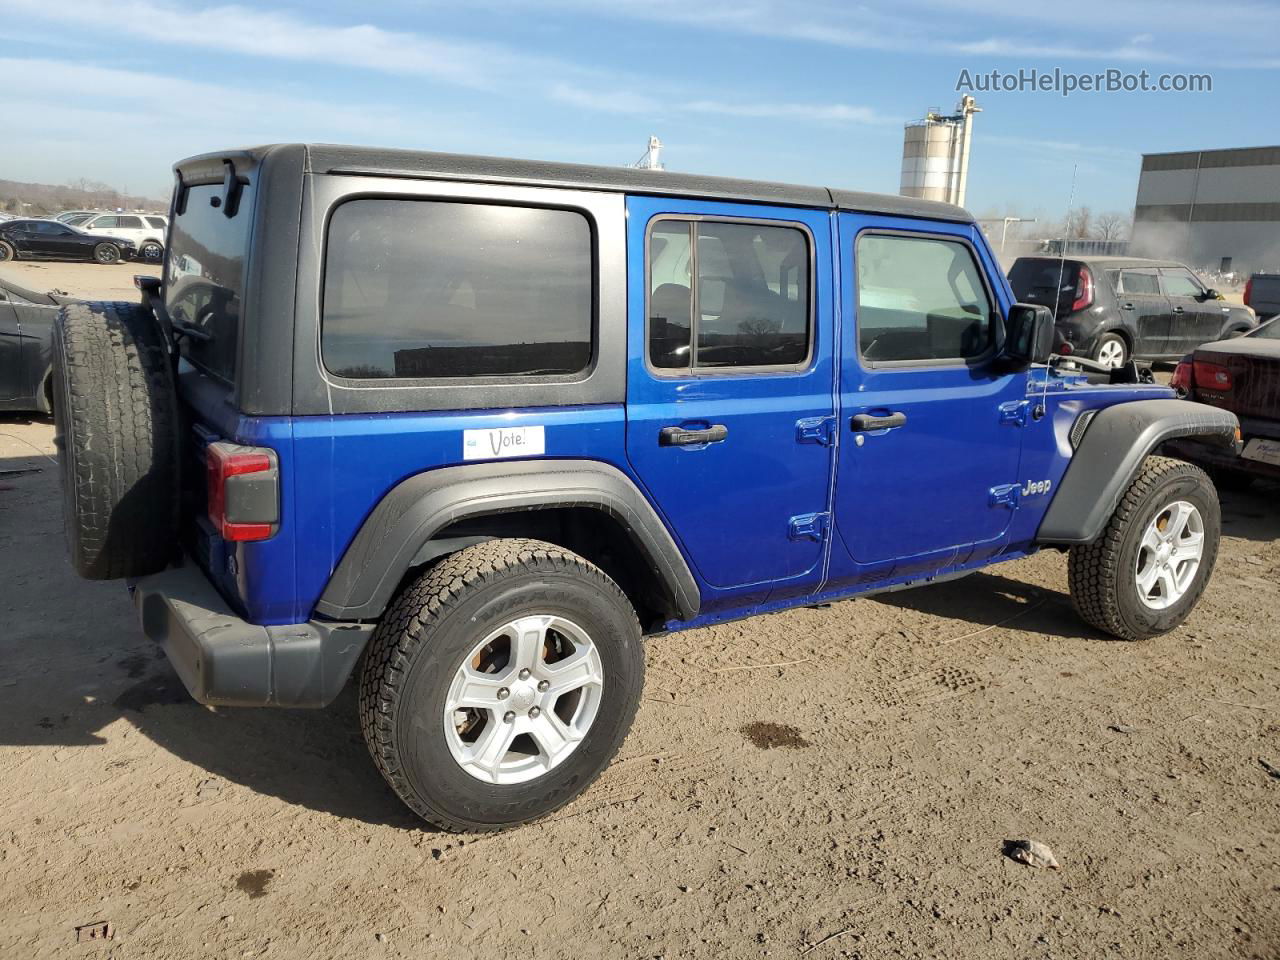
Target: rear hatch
x,y
1048,281
204,278
1251,387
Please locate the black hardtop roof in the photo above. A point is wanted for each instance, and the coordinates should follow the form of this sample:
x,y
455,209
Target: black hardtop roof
x,y
376,161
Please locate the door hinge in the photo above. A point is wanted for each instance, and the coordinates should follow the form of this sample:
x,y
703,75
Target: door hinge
x,y
809,526
1015,412
821,430
1006,495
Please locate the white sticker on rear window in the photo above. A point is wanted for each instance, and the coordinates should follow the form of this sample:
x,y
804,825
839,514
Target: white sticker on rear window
x,y
503,442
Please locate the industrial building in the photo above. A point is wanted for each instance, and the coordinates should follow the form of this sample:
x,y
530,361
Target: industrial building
x,y
1216,209
935,154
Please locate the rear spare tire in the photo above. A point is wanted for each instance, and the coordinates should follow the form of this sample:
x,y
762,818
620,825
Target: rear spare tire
x,y
115,413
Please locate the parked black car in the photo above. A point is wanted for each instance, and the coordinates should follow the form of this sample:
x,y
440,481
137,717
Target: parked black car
x,y
1262,294
1243,376
26,331
50,240
1113,309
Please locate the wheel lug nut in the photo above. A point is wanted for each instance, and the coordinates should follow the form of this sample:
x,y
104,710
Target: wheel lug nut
x,y
524,674
534,711
503,693
543,685
509,716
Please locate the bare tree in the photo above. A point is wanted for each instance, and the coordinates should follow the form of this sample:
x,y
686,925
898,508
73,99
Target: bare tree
x,y
1111,226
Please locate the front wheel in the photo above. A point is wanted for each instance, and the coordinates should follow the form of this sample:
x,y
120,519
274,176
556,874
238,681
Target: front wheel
x,y
106,253
499,685
1147,571
7,252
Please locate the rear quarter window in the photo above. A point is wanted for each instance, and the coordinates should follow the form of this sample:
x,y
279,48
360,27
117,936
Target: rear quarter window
x,y
435,289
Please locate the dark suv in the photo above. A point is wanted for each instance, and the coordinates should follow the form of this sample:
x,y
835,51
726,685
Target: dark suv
x,y
466,429
1113,309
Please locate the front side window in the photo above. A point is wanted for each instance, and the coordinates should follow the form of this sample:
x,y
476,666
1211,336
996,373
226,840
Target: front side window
x,y
921,299
728,294
1180,283
434,289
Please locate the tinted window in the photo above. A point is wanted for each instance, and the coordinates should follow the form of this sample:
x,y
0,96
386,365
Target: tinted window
x,y
105,222
921,299
1048,281
1179,283
1139,281
749,306
425,288
129,223
157,222
75,221
204,275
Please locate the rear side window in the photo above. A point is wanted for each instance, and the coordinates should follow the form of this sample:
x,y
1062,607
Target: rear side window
x,y
1139,281
204,276
129,223
441,289
728,295
921,298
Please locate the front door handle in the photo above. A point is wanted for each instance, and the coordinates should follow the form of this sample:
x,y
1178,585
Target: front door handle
x,y
1126,306
684,437
867,422
1177,310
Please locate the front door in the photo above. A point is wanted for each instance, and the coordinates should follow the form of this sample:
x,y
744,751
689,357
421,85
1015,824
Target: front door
x,y
1144,309
729,388
10,350
1196,319
928,464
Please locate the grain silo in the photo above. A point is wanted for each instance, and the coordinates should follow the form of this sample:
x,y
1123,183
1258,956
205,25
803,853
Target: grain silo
x,y
935,154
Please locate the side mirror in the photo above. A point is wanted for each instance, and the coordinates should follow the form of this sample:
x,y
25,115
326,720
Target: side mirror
x,y
1030,335
1212,294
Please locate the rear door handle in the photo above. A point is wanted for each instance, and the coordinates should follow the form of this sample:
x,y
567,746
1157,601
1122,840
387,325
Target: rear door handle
x,y
684,437
866,422
1177,310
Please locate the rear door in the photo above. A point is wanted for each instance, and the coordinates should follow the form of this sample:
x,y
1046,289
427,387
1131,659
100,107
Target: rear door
x,y
729,390
10,350
930,427
1146,309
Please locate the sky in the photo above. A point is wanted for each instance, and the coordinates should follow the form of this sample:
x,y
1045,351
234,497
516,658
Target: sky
x,y
805,91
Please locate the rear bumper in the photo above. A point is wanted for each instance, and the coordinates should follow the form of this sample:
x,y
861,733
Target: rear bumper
x,y
224,660
1208,455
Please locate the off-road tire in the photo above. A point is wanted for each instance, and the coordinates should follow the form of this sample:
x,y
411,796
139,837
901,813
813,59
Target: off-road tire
x,y
1103,574
116,422
433,625
7,252
106,253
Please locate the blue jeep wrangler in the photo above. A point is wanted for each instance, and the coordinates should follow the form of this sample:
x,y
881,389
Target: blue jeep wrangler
x,y
468,428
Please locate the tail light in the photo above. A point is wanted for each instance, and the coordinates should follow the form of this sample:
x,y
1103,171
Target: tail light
x,y
1248,292
1084,290
244,491
1212,376
1066,349
1184,380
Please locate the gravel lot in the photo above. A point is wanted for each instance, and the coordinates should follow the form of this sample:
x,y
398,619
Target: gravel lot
x,y
919,732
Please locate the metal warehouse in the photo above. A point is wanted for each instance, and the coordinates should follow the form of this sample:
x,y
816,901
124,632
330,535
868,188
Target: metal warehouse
x,y
1218,209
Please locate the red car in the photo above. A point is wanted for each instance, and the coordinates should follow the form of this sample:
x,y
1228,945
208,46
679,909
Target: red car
x,y
1241,375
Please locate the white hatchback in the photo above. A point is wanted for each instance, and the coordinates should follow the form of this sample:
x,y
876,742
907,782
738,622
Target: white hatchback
x,y
148,231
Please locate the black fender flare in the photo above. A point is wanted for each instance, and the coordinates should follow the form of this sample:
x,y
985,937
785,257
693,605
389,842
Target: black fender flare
x,y
1110,454
393,537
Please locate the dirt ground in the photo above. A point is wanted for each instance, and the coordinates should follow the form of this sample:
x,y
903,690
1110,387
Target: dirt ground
x,y
822,783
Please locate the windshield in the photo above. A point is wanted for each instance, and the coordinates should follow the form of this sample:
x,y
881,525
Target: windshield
x,y
204,276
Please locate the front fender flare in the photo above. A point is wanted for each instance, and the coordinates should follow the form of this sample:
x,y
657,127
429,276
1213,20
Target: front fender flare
x,y
1110,455
415,510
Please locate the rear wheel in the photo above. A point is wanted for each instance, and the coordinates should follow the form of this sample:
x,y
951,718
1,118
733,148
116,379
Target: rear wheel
x,y
1147,571
151,251
7,252
1112,351
499,685
106,253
